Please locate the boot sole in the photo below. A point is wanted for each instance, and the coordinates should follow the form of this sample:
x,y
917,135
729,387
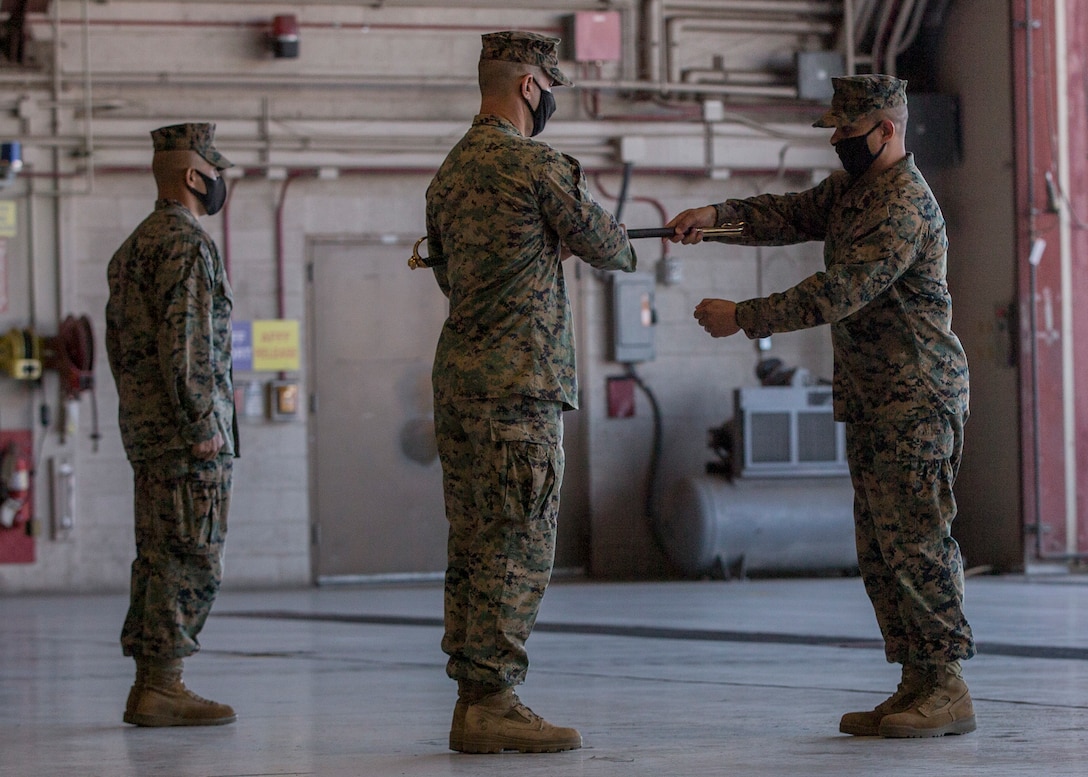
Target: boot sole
x,y
157,721
965,726
483,745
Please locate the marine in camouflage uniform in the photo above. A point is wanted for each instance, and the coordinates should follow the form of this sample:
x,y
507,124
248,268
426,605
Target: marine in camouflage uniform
x,y
900,384
168,339
498,211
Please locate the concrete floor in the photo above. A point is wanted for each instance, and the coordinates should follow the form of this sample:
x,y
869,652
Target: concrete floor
x,y
662,679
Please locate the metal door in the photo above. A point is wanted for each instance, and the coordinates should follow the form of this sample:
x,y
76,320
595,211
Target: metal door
x,y
376,483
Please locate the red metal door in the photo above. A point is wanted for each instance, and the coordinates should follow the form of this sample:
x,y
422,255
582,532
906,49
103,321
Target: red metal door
x,y
1050,79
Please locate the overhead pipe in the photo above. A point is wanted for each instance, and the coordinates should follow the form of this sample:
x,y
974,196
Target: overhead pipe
x,y
365,27
330,81
281,240
848,37
576,5
1033,306
234,81
380,4
55,189
226,227
895,35
653,21
655,13
899,40
367,141
911,34
88,100
880,34
831,8
677,26
681,25
863,11
653,10
1065,253
895,30
779,26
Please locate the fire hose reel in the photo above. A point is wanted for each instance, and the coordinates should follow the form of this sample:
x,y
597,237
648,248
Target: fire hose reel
x,y
23,355
71,354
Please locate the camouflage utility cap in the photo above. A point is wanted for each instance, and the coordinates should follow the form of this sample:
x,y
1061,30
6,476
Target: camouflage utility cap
x,y
857,96
527,47
190,137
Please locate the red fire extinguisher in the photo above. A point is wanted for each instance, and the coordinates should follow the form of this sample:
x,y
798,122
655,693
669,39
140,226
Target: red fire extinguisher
x,y
16,487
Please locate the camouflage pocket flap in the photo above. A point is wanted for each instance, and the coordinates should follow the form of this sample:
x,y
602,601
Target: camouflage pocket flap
x,y
521,431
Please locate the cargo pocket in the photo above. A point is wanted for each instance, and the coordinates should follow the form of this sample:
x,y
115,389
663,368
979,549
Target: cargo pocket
x,y
925,443
924,451
526,457
201,525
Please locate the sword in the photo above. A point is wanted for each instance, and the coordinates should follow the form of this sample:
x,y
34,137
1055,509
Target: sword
x,y
727,230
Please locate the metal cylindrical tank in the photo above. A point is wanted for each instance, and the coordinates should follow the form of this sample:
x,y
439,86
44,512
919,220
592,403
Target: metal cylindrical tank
x,y
709,523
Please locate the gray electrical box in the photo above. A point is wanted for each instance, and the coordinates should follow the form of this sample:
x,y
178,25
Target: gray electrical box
x,y
933,132
633,317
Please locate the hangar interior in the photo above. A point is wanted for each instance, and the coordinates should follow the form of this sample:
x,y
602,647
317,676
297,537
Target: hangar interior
x,y
335,138
338,112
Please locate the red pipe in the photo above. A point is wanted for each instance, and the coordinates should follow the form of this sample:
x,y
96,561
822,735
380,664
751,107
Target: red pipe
x,y
281,279
226,227
649,200
258,25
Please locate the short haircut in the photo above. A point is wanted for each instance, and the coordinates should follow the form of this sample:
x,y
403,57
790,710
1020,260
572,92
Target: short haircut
x,y
896,115
168,166
496,75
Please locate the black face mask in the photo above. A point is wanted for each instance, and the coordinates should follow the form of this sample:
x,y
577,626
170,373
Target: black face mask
x,y
214,195
543,111
855,155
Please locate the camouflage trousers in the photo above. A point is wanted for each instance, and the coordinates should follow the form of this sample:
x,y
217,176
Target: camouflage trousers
x,y
502,468
181,525
903,510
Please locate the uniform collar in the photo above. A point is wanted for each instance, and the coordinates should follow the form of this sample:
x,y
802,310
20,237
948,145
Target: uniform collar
x,y
492,120
165,202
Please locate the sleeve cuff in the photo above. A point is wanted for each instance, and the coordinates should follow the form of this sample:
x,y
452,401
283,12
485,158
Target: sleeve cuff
x,y
200,431
748,319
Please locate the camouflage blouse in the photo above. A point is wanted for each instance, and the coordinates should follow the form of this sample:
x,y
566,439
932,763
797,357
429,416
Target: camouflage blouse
x,y
497,211
883,290
168,336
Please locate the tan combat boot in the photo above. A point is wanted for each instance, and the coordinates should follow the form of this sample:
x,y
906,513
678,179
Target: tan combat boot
x,y
501,722
867,724
944,709
468,693
160,698
457,727
136,689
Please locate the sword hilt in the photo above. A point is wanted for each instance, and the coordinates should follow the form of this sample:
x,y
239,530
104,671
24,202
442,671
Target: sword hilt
x,y
416,261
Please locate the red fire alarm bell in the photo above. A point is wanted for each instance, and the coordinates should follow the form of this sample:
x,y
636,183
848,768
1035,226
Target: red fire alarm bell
x,y
285,36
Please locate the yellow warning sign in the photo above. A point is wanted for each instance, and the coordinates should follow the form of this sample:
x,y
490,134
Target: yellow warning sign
x,y
8,214
276,346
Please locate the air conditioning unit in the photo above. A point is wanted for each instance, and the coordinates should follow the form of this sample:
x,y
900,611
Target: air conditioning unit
x,y
788,431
